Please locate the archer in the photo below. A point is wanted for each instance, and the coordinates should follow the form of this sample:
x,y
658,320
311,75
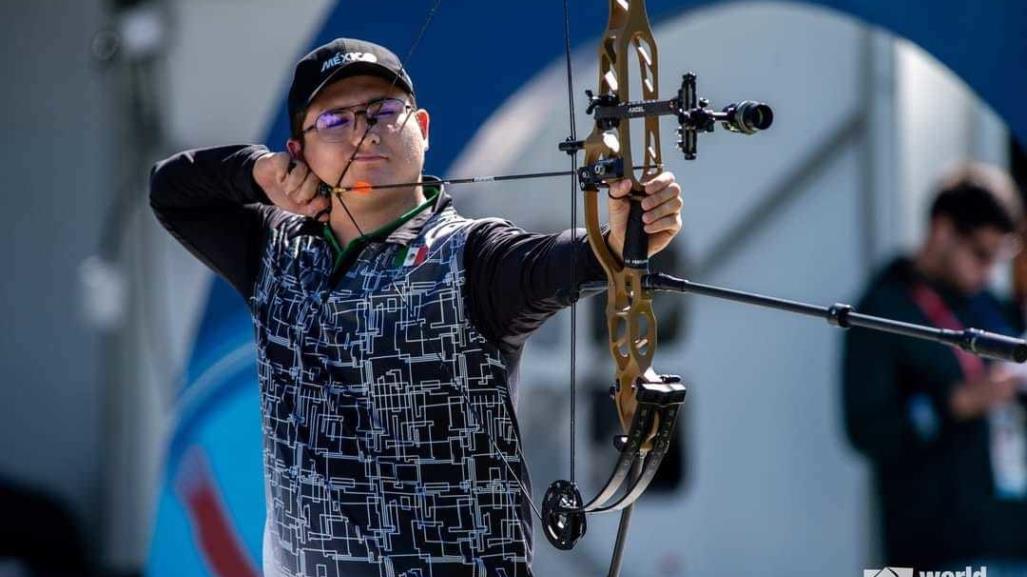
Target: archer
x,y
389,328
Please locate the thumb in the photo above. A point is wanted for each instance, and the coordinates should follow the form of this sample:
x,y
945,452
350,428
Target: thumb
x,y
620,188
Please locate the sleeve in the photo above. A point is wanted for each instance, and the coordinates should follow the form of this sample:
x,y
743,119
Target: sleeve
x,y
208,200
887,424
517,279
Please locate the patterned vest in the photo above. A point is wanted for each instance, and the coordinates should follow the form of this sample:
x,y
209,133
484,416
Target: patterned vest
x,y
376,395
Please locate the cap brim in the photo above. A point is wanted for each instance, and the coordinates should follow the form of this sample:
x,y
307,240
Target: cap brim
x,y
358,69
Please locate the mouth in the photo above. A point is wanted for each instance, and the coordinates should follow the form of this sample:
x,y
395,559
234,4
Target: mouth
x,y
368,158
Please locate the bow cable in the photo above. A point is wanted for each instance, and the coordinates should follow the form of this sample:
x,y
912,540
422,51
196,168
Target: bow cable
x,y
574,228
369,124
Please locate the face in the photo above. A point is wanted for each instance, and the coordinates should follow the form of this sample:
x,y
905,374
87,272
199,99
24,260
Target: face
x,y
392,152
970,258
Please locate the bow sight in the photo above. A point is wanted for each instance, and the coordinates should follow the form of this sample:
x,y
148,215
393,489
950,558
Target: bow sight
x,y
745,117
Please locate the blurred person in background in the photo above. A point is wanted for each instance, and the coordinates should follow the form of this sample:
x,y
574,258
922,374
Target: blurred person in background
x,y
1019,275
38,535
389,328
943,429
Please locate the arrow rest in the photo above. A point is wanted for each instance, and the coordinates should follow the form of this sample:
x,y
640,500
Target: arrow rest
x,y
596,174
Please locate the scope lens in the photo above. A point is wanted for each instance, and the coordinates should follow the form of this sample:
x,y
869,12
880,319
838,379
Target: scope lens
x,y
756,115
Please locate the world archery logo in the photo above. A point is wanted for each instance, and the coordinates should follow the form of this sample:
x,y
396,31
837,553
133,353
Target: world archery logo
x,y
908,572
341,58
889,572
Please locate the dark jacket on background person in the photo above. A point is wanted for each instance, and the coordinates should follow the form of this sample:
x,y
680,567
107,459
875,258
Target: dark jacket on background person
x,y
932,474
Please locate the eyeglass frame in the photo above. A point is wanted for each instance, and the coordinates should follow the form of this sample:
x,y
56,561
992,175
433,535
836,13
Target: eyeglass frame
x,y
1011,246
361,109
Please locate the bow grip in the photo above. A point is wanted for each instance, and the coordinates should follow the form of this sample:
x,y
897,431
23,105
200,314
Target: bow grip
x,y
636,240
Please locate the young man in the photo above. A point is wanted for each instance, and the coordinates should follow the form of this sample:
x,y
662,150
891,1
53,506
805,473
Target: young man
x,y
388,327
943,429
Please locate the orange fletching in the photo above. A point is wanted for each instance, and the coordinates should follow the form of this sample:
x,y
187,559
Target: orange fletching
x,y
361,186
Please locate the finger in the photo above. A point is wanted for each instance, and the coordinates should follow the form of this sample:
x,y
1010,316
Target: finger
x,y
669,207
308,189
1001,370
318,207
1005,393
670,223
283,164
295,178
671,194
1001,373
659,182
1007,380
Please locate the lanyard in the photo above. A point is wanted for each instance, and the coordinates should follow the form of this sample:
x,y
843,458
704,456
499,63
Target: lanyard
x,y
934,308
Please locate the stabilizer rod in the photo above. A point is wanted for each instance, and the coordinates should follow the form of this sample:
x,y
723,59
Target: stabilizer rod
x,y
976,341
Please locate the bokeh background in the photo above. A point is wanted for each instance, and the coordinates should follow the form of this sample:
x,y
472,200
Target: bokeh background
x,y
129,427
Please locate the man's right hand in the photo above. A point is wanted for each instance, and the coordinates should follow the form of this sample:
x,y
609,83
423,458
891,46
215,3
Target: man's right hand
x,y
973,399
291,185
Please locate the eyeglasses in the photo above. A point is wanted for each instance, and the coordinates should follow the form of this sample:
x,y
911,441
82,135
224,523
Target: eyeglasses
x,y
336,125
987,254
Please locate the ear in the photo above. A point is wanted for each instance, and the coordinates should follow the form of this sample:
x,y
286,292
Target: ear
x,y
295,148
424,123
943,231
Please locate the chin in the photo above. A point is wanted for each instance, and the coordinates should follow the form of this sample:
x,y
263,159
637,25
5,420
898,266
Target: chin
x,y
377,173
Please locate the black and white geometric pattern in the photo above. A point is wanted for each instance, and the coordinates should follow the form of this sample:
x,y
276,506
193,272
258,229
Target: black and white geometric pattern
x,y
376,462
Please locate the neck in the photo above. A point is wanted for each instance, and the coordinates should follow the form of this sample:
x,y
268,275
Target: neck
x,y
370,211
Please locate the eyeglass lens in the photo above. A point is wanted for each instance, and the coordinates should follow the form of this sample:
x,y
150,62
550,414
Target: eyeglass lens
x,y
338,123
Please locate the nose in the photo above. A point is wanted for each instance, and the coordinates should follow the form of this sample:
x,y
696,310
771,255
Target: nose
x,y
363,130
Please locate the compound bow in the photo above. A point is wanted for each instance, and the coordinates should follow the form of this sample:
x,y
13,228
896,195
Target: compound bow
x,y
647,403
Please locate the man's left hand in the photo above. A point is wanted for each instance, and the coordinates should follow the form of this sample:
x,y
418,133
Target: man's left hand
x,y
661,215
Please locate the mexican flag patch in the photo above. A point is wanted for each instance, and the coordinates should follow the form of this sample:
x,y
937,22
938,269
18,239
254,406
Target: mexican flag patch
x,y
411,255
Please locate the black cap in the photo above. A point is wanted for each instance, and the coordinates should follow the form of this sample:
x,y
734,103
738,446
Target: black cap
x,y
339,59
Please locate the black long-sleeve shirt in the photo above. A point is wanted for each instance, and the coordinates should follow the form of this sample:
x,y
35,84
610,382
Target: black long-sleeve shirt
x,y
210,202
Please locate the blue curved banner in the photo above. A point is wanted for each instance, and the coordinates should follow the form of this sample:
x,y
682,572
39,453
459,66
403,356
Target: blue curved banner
x,y
473,57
